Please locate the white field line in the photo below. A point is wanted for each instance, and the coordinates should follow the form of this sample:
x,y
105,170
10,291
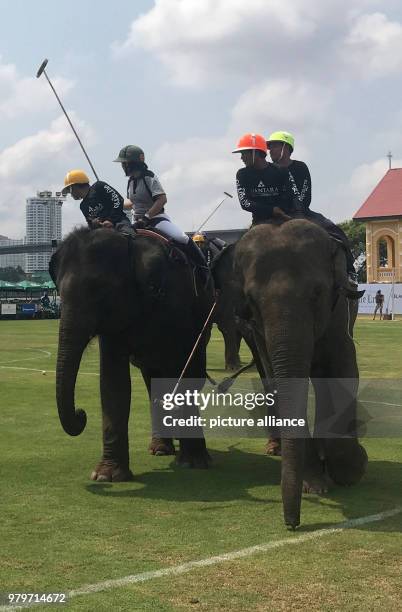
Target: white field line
x,y
176,570
381,403
41,371
47,353
3,367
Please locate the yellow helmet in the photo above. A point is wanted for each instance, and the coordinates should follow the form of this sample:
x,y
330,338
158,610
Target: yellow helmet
x,y
199,238
285,137
74,177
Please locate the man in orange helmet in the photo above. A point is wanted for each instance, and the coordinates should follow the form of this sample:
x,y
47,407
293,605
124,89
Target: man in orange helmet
x,y
102,205
263,188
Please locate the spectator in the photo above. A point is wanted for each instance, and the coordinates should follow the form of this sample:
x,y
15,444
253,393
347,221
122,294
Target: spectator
x,y
379,301
44,300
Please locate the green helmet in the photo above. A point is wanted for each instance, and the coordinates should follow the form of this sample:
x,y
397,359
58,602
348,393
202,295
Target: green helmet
x,y
130,153
282,137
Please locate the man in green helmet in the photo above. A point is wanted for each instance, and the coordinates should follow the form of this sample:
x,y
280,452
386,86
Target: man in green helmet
x,y
281,145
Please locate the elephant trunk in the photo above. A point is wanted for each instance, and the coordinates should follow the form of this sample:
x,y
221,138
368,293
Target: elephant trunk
x,y
71,348
290,347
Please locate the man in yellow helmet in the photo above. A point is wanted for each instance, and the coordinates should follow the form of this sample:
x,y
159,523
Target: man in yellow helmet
x,y
280,145
210,246
101,205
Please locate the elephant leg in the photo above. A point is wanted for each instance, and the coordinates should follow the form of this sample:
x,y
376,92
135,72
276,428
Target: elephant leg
x,y
193,450
115,387
232,340
257,347
315,479
345,458
159,445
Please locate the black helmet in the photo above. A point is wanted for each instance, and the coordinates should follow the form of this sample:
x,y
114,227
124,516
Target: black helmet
x,y
130,153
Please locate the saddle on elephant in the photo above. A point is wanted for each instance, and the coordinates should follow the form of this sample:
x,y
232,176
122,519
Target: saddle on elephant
x,y
180,253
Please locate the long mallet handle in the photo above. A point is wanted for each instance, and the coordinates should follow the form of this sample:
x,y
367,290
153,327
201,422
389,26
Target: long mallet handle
x,y
227,195
38,74
193,351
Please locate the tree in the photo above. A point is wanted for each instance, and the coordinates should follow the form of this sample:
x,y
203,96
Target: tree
x,y
12,275
356,233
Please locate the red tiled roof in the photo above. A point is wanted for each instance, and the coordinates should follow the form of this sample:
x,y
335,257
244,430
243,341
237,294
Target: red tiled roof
x,y
386,198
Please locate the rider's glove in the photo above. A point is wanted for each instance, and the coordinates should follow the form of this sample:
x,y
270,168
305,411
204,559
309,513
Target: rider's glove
x,y
141,223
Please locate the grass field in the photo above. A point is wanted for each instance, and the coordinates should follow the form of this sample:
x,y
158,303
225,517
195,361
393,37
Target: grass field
x,y
60,532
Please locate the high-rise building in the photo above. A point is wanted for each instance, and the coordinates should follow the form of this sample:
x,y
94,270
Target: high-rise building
x,y
43,224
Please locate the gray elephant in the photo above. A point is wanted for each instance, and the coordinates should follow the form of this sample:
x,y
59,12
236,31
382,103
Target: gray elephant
x,y
139,297
293,276
224,316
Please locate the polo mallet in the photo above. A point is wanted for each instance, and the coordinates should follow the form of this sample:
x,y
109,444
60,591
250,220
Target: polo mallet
x,y
38,74
227,195
193,351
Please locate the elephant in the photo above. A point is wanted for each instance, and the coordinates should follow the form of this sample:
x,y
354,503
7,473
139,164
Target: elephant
x,y
224,315
297,298
147,306
217,258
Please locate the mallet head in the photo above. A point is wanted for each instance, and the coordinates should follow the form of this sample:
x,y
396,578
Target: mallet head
x,y
42,67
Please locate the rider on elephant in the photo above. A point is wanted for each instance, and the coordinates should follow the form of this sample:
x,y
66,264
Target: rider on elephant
x,y
102,205
210,247
148,199
263,188
281,145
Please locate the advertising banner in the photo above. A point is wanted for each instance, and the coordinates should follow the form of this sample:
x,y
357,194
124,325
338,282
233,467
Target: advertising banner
x,y
9,309
28,309
367,302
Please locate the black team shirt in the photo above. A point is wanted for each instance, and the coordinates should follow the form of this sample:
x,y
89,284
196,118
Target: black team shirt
x,y
300,183
259,190
103,202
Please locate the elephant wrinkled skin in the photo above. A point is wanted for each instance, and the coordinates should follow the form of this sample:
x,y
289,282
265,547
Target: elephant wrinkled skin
x,y
293,277
143,307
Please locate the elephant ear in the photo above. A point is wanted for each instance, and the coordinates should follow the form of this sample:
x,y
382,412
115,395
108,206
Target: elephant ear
x,y
341,281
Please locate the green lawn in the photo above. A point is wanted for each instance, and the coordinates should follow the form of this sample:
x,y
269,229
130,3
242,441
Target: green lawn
x,y
59,531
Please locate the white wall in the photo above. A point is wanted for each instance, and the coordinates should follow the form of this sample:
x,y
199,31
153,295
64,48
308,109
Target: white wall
x,y
367,302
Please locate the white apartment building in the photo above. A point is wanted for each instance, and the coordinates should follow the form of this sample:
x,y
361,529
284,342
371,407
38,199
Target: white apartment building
x,y
43,224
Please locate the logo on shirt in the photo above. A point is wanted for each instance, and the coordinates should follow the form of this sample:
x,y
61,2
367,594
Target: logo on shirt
x,y
262,189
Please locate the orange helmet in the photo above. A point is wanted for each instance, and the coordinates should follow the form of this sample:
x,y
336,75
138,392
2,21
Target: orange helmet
x,y
251,142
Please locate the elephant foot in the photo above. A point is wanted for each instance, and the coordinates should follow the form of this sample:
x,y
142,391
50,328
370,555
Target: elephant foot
x,y
273,447
111,471
199,459
347,463
161,446
233,366
315,484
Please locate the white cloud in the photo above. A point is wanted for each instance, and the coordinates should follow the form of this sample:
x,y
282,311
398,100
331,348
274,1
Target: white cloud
x,y
199,41
207,41
36,163
374,45
25,95
195,173
296,104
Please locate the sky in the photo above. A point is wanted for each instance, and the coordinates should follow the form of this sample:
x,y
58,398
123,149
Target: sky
x,y
184,79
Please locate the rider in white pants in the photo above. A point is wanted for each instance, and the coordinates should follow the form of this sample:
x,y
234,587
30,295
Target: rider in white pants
x,y
147,198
